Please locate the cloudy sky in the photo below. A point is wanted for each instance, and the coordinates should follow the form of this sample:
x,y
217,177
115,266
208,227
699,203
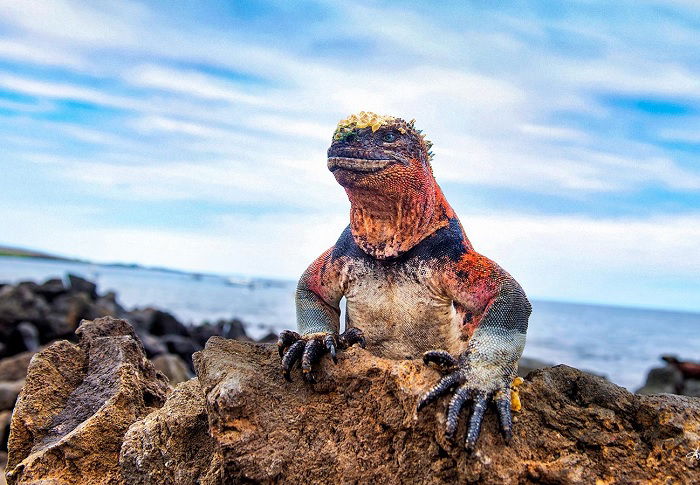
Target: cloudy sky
x,y
192,134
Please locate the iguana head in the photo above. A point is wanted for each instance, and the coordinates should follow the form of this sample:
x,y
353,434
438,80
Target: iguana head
x,y
369,149
383,163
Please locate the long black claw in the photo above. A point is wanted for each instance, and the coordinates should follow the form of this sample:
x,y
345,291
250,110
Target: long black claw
x,y
445,384
352,336
292,355
329,342
456,404
440,358
286,338
504,415
312,352
474,428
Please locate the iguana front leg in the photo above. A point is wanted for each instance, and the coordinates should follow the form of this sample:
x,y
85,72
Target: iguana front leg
x,y
484,371
318,312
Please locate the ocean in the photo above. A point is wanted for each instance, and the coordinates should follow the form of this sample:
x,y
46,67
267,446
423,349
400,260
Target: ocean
x,y
620,343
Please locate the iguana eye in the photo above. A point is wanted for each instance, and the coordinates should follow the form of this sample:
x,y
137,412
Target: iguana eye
x,y
389,137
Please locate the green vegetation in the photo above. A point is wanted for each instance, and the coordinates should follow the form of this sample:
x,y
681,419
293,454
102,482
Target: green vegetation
x,y
25,253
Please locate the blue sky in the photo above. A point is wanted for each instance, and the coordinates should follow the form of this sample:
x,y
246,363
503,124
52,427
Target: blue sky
x,y
193,134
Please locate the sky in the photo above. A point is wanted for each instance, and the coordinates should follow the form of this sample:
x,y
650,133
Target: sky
x,y
193,134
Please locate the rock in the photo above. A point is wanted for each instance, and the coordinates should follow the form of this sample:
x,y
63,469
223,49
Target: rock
x,y
30,286
15,368
182,346
24,336
172,445
166,324
174,368
157,322
660,380
205,331
152,345
142,319
27,336
528,364
233,329
359,426
268,339
51,288
81,285
3,462
5,417
8,394
78,402
691,387
108,306
17,304
67,311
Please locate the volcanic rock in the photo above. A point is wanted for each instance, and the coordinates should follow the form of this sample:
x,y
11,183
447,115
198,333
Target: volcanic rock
x,y
172,445
173,367
8,394
77,403
19,303
51,288
15,368
665,379
359,425
81,285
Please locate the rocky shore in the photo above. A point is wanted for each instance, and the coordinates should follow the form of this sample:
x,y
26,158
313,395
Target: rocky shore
x,y
32,315
116,400
97,411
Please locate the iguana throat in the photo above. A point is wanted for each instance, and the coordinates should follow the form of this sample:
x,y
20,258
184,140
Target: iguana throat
x,y
387,225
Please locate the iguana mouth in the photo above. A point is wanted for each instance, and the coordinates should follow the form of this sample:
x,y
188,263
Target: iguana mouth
x,y
366,165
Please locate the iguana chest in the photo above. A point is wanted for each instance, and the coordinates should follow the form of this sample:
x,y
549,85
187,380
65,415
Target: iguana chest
x,y
401,308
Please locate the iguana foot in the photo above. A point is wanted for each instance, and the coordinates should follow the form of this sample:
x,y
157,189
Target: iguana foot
x,y
468,382
306,350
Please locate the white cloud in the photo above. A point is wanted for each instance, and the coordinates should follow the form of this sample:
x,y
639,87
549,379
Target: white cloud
x,y
39,54
63,91
491,99
191,83
554,132
107,24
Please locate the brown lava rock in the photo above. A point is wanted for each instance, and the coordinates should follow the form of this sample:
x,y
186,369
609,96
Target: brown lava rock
x,y
172,445
359,426
77,403
240,422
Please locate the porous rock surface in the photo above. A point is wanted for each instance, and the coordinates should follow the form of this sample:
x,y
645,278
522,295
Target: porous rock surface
x,y
172,445
240,422
77,403
359,426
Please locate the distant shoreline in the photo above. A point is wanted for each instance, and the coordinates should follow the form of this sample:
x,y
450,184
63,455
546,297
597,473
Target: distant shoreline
x,y
28,253
230,280
31,254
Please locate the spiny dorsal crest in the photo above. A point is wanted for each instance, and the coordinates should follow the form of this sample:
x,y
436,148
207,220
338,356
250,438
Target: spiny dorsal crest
x,y
368,119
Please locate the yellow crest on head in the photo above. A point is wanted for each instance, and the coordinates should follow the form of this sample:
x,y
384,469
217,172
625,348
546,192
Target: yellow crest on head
x,y
368,119
363,119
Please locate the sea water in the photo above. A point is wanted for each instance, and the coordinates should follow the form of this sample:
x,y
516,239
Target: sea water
x,y
620,343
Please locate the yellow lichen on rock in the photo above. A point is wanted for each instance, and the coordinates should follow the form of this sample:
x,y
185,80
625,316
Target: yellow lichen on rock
x,y
515,404
363,119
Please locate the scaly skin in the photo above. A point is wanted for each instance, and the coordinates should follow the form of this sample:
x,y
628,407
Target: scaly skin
x,y
411,279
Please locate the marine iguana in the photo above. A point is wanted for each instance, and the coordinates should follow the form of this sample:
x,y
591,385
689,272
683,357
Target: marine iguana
x,y
412,281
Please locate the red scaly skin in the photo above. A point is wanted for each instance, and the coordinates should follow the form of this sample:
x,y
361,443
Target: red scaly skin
x,y
410,277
